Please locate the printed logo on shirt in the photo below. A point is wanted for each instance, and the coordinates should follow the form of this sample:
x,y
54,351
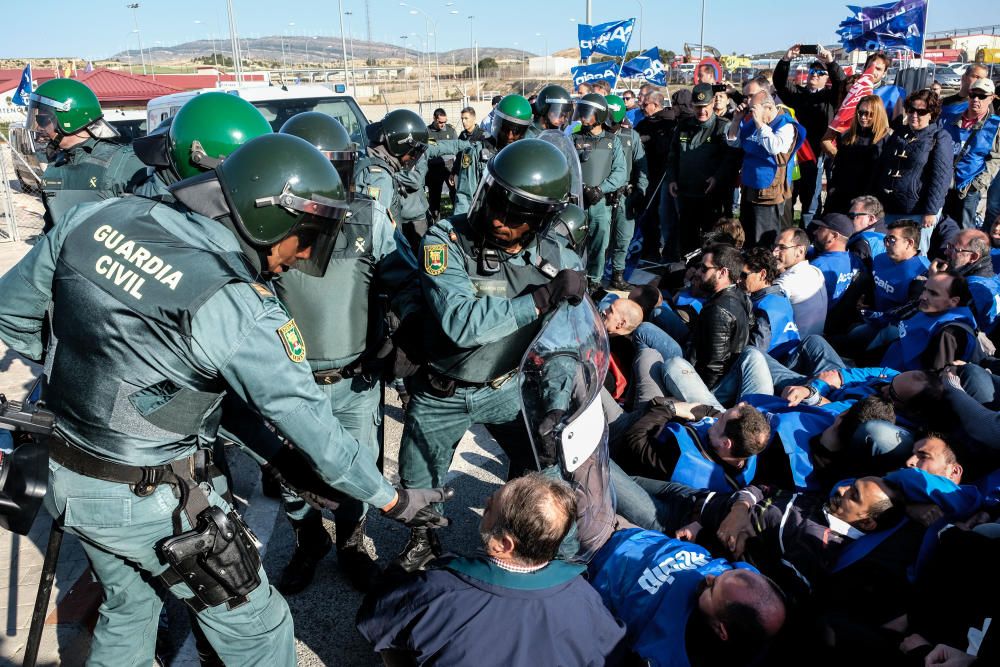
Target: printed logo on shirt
x,y
653,578
291,338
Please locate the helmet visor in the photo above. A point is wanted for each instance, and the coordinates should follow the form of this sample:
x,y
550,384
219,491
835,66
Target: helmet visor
x,y
505,129
559,113
317,228
42,123
586,113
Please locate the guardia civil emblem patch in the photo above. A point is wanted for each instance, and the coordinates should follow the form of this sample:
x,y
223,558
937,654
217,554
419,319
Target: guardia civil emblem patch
x,y
291,338
466,160
374,192
435,259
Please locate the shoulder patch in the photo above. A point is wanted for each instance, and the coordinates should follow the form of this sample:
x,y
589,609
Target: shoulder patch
x,y
375,170
291,338
373,191
466,160
435,259
262,291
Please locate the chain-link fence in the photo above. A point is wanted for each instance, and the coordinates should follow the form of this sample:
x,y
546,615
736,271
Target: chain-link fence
x,y
20,206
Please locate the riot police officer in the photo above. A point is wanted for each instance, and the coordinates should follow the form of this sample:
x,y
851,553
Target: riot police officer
x,y
160,312
602,162
394,169
204,131
511,120
628,200
340,317
553,109
487,278
88,160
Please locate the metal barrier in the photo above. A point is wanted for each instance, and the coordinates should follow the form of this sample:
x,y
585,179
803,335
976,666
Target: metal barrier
x,y
8,198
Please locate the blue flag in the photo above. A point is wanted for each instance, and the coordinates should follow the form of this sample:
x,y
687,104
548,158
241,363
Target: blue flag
x,y
647,65
896,24
24,89
607,70
608,38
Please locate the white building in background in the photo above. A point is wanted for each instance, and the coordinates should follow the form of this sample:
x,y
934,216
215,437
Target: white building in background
x,y
551,66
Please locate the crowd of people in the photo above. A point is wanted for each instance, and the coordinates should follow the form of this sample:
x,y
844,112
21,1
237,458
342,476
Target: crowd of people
x,y
801,410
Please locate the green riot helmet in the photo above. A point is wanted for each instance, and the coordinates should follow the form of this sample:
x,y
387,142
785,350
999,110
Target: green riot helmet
x,y
330,137
208,128
553,107
591,110
61,107
527,182
511,119
274,186
403,133
571,224
616,111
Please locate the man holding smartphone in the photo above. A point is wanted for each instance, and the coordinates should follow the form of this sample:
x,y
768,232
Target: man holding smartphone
x,y
814,104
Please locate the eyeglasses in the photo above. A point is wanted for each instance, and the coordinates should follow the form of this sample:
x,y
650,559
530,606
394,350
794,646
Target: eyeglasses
x,y
628,98
919,112
893,240
744,275
979,96
704,268
951,248
865,113
818,72
852,216
778,246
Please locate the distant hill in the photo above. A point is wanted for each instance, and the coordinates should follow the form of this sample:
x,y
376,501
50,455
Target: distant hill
x,y
305,49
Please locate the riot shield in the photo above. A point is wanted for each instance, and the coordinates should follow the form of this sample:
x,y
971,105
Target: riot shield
x,y
561,377
565,145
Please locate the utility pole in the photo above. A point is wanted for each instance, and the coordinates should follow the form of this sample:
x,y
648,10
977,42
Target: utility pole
x,y
343,44
138,33
368,20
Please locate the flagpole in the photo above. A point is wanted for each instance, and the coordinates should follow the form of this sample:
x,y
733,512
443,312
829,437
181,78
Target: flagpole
x,y
624,55
923,34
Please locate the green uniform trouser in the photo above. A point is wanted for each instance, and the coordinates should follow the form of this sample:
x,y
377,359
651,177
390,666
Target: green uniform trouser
x,y
599,217
624,229
356,404
119,531
434,426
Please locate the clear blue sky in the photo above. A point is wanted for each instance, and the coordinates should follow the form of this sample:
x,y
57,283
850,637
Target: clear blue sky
x,y
55,27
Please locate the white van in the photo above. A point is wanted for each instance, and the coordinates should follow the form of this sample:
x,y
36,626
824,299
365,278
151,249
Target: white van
x,y
277,103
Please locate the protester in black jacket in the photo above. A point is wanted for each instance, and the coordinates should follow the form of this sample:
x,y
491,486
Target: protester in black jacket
x,y
915,170
814,105
723,327
857,154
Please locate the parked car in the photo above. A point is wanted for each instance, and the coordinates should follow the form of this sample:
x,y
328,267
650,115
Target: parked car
x,y
948,78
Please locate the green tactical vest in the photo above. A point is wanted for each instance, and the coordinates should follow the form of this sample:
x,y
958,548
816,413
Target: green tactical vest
x,y
89,172
333,312
627,137
124,379
596,156
487,362
363,167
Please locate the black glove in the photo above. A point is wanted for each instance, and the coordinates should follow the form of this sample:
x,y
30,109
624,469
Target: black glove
x,y
592,194
568,285
548,454
290,468
414,509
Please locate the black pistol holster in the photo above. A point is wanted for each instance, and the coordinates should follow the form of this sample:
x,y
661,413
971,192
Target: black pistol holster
x,y
218,560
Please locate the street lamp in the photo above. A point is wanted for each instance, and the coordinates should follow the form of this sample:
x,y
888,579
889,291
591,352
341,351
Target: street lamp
x,y
350,32
474,56
284,55
640,24
546,38
135,19
428,22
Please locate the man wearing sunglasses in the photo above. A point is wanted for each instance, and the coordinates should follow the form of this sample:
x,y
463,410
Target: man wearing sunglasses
x,y
969,255
814,104
976,136
88,161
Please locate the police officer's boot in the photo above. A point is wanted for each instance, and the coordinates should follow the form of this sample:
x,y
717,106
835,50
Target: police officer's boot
x,y
596,289
311,543
352,555
618,282
423,547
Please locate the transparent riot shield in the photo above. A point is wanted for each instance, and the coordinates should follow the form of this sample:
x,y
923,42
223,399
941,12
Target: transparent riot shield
x,y
561,378
565,145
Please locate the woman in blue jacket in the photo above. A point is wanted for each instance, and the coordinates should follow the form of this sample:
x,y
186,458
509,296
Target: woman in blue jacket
x,y
915,170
